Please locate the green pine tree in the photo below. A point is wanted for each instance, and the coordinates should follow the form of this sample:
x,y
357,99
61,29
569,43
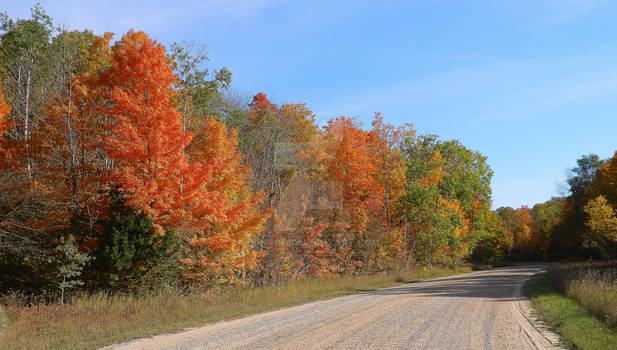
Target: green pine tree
x,y
70,265
131,256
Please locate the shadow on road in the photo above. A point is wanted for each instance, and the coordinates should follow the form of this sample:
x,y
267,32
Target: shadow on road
x,y
497,284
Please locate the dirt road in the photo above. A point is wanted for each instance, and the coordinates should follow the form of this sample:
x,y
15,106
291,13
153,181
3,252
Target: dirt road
x,y
479,310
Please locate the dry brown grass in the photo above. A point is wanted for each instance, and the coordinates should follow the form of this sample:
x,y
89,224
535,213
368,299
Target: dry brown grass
x,y
593,285
99,320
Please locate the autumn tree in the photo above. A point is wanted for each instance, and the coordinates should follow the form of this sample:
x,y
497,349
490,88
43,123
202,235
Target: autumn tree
x,y
600,191
602,227
160,173
25,71
47,153
385,141
566,239
385,146
448,196
4,111
67,159
605,181
224,248
7,212
352,168
144,137
526,233
275,137
277,144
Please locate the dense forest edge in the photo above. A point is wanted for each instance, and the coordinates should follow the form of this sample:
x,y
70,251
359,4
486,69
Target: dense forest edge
x,y
129,167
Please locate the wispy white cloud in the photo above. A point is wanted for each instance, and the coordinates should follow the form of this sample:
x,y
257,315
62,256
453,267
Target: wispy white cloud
x,y
505,89
522,102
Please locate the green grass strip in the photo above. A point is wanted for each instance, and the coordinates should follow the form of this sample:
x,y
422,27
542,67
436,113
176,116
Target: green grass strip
x,y
568,318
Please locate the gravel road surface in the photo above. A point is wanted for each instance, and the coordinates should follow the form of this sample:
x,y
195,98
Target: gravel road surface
x,y
479,310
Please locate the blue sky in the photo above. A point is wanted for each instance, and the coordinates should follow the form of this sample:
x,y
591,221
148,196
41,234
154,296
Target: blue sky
x,y
530,84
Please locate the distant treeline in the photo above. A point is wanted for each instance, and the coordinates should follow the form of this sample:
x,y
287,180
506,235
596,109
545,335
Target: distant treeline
x,y
580,226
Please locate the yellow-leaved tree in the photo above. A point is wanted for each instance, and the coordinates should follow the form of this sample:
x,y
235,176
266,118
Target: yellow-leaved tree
x,y
602,227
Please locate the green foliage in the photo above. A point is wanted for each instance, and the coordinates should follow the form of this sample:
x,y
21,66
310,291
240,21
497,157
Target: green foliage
x,y
566,237
71,263
199,90
24,62
584,173
493,243
69,50
447,198
437,225
548,214
26,34
131,256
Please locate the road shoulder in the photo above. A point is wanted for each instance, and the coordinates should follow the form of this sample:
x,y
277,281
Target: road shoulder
x,y
576,327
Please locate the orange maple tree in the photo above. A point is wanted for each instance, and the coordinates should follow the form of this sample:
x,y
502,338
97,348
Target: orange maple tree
x,y
144,137
193,183
225,245
351,167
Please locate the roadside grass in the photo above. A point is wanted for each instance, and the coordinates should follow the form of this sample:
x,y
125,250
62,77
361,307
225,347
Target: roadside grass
x,y
593,285
567,317
98,320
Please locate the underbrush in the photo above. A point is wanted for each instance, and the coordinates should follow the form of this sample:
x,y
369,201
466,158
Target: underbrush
x,y
101,319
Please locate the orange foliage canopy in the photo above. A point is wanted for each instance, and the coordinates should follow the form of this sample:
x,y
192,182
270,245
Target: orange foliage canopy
x,y
66,143
144,136
194,184
226,247
384,144
352,166
261,101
